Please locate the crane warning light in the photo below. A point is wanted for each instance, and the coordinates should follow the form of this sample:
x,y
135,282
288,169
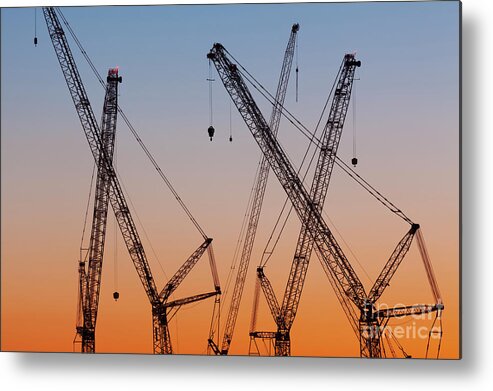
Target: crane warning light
x,y
113,74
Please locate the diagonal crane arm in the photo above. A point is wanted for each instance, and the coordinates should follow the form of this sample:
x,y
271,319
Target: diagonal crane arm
x,y
329,249
330,142
189,300
259,191
183,271
401,311
92,133
383,280
269,294
115,193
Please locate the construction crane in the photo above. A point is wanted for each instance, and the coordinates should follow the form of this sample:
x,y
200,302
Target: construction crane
x,y
90,273
158,300
257,200
163,310
328,250
331,136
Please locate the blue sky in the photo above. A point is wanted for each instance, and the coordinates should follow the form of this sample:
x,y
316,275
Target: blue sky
x,y
407,96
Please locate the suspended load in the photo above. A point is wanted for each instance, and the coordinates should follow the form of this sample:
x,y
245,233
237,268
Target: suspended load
x,y
35,28
210,130
116,295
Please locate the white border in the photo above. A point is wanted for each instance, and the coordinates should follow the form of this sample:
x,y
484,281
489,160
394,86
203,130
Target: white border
x,y
122,372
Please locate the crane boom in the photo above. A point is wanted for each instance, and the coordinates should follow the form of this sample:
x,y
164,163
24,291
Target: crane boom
x,y
383,280
183,271
401,311
259,192
92,132
307,211
190,299
331,136
115,194
329,252
327,248
269,294
92,279
330,142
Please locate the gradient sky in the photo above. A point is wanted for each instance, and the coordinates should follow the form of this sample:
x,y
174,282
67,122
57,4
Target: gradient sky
x,y
407,121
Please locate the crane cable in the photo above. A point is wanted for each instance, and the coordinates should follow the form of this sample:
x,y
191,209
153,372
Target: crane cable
x,y
134,132
81,248
315,140
268,96
210,129
241,237
115,229
354,125
297,68
139,140
230,122
35,26
267,252
132,129
210,80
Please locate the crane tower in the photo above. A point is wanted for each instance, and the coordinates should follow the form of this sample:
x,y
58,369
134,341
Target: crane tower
x,y
345,279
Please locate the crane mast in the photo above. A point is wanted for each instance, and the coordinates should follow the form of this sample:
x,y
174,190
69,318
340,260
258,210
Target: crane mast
x,y
327,248
280,164
92,133
329,144
116,197
90,281
258,196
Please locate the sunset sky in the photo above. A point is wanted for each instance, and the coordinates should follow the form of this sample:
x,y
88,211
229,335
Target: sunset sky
x,y
407,126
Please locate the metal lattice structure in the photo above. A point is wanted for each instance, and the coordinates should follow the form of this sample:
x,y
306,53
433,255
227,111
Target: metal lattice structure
x,y
160,307
90,274
257,200
344,278
331,136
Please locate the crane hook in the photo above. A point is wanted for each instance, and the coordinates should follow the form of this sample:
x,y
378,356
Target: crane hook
x,y
210,130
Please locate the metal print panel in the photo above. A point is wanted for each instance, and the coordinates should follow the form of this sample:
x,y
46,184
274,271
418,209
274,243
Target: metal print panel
x,y
242,179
